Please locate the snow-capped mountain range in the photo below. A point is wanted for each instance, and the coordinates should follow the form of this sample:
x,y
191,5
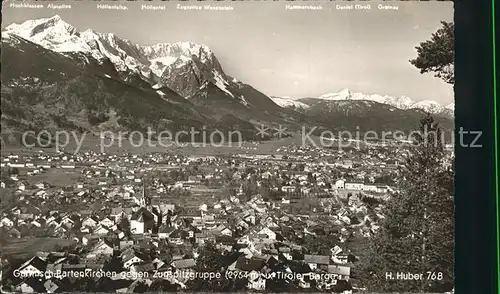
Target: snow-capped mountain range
x,y
57,35
402,102
189,70
160,65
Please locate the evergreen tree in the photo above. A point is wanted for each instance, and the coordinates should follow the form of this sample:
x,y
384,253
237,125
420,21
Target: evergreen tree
x,y
437,54
114,264
417,234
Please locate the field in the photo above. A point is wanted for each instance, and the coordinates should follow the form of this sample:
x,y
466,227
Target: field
x,y
58,178
92,143
26,247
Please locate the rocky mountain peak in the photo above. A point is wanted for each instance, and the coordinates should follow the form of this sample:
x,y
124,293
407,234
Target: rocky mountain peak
x,y
181,66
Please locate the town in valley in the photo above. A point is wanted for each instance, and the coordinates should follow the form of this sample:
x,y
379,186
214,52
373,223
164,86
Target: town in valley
x,y
301,214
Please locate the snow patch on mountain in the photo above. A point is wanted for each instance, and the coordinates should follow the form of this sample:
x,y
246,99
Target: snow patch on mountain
x,y
403,102
344,94
243,101
158,64
220,82
428,106
48,32
181,61
288,102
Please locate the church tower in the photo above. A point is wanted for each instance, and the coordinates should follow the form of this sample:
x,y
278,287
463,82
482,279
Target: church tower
x,y
146,198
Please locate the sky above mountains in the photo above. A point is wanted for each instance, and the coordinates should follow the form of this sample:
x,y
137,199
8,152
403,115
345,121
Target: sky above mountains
x,y
284,52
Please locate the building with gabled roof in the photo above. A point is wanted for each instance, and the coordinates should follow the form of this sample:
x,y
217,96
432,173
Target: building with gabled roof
x,y
142,221
34,267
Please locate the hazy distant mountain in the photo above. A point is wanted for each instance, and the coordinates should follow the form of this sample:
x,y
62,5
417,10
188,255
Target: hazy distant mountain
x,y
402,102
346,110
366,115
429,106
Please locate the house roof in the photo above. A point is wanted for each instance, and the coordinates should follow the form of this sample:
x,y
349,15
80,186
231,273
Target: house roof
x,y
176,233
184,263
144,267
105,242
131,253
101,228
142,215
190,213
204,234
118,210
354,181
165,229
51,285
221,228
223,239
209,217
251,264
37,286
339,270
284,249
36,262
93,218
319,259
231,257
